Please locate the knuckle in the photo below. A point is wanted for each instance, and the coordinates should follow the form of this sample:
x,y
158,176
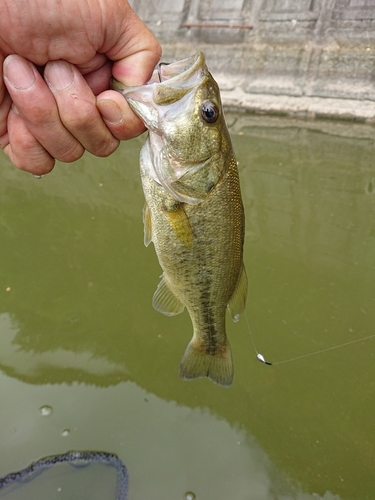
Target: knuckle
x,y
24,150
80,120
106,148
36,114
70,152
35,161
24,141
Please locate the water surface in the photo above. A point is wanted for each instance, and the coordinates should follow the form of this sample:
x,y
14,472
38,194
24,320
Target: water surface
x,y
86,363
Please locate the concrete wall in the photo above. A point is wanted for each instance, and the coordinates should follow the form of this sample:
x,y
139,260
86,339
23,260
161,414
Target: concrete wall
x,y
314,57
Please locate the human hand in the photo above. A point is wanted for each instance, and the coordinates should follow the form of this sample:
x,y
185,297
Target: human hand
x,y
80,44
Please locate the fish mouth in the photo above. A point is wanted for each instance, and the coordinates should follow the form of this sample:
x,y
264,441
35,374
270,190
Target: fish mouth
x,y
179,71
186,73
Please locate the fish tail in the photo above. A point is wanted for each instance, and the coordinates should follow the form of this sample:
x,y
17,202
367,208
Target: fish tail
x,y
218,367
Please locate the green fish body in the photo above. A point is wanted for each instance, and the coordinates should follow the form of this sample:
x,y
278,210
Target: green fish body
x,y
193,213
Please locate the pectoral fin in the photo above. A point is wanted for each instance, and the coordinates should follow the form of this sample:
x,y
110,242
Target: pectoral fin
x,y
237,302
147,227
180,223
165,301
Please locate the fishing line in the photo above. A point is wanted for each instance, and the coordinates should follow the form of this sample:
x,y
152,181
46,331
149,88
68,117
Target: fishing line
x,y
262,359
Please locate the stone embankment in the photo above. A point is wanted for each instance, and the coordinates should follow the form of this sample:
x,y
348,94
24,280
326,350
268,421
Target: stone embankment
x,y
306,58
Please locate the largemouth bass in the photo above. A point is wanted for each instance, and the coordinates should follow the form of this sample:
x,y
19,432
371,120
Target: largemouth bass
x,y
193,213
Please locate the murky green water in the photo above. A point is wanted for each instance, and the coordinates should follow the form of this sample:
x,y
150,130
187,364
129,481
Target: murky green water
x,y
86,363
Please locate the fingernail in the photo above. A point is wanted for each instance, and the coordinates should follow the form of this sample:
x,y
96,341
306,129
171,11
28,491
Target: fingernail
x,y
110,111
59,75
18,72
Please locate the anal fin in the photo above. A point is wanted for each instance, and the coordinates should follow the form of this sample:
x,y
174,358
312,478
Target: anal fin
x,y
165,301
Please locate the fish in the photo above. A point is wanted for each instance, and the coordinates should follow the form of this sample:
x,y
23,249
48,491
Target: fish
x,y
193,211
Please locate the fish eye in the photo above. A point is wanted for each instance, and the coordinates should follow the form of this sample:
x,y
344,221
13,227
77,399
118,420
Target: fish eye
x,y
209,112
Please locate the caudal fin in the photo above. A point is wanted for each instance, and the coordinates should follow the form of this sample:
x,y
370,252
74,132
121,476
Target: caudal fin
x,y
218,367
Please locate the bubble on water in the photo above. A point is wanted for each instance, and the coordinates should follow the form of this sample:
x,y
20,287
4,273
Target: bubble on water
x,y
45,410
189,495
65,432
38,176
58,490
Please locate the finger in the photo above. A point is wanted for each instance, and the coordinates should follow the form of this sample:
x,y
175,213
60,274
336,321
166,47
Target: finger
x,y
136,69
77,108
37,107
24,151
118,116
94,64
98,80
136,52
5,104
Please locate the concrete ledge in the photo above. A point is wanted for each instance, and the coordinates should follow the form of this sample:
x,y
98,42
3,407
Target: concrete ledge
x,y
302,107
246,122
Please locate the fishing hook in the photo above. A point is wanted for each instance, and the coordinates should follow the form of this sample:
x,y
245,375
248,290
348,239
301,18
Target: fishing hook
x,y
158,67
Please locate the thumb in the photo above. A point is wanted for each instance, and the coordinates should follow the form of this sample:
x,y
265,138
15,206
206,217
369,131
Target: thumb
x,y
135,52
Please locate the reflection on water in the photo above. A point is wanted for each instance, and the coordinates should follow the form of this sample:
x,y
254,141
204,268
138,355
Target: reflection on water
x,y
78,333
159,441
53,475
16,360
